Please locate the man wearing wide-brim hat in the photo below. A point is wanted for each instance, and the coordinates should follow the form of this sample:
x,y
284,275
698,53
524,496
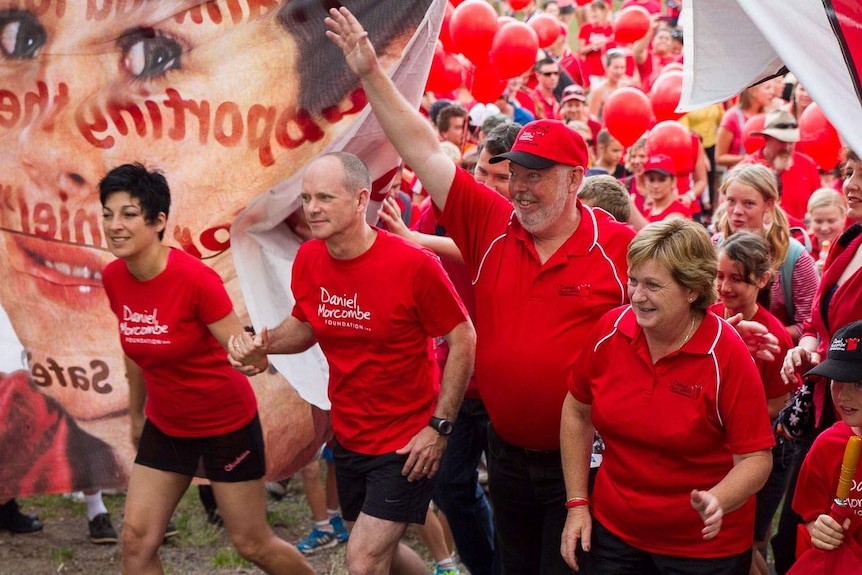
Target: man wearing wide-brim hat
x,y
798,175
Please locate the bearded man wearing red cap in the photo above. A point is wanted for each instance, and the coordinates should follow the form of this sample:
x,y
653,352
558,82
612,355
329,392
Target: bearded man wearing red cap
x,y
544,273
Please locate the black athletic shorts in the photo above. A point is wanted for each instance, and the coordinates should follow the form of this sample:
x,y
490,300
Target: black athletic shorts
x,y
373,484
228,458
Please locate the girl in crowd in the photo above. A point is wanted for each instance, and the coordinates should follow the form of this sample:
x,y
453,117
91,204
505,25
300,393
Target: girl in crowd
x,y
615,78
729,149
744,270
660,174
674,493
191,413
827,218
838,302
751,198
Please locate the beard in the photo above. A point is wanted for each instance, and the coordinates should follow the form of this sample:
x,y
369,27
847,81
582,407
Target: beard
x,y
782,162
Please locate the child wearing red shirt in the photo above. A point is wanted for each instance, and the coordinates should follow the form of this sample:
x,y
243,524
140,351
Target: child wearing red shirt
x,y
818,477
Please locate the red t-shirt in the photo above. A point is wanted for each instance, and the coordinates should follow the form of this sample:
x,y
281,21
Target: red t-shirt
x,y
593,62
374,317
818,478
797,183
677,207
460,276
532,317
192,390
572,63
670,428
770,371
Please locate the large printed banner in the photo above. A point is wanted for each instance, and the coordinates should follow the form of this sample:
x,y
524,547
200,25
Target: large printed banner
x,y
230,99
731,45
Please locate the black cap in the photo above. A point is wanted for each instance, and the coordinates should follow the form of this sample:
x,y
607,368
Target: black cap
x,y
844,360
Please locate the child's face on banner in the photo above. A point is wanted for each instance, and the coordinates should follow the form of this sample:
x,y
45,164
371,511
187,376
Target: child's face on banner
x,y
207,95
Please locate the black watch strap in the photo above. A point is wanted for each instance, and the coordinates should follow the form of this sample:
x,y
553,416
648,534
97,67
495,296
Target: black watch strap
x,y
442,426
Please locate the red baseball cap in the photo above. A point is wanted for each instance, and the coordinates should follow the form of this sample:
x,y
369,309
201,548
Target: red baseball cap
x,y
661,164
543,143
573,92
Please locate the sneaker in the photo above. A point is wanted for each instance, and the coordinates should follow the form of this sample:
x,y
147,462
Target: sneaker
x,y
101,530
171,530
316,541
443,571
341,532
277,489
214,518
11,519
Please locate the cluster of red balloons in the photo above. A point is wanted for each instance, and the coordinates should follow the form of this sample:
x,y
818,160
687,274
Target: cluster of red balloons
x,y
497,48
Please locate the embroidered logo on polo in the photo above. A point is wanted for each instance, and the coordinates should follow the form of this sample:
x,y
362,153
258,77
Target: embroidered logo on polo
x,y
572,290
691,391
343,310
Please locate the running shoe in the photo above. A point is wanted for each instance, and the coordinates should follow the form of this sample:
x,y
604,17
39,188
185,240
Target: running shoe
x,y
341,532
316,541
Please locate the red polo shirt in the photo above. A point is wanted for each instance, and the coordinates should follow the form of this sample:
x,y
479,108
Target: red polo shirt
x,y
531,318
668,428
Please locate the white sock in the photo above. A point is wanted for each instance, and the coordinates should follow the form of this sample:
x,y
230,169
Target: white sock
x,y
95,505
333,512
324,526
446,564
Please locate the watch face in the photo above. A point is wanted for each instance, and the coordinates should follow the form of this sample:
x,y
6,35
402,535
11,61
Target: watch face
x,y
445,427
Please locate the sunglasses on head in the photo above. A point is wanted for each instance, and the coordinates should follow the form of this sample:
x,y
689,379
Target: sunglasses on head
x,y
785,126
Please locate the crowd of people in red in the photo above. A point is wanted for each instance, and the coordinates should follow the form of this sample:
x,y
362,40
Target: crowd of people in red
x,y
745,173
664,315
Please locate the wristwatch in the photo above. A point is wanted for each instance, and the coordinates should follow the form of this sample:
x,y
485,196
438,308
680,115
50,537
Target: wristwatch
x,y
442,426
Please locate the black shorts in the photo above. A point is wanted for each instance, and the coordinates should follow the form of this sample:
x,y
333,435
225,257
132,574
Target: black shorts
x,y
228,458
373,484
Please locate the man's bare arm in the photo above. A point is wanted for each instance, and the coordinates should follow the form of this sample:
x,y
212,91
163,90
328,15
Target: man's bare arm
x,y
413,137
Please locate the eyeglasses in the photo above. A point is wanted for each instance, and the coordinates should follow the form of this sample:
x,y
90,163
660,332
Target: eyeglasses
x,y
784,126
546,74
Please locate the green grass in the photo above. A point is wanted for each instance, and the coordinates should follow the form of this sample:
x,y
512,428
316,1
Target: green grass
x,y
228,557
61,555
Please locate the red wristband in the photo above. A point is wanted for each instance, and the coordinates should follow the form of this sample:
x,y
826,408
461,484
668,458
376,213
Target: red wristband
x,y
576,502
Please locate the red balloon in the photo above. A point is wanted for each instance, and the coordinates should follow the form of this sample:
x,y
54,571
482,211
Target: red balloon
x,y
664,96
631,24
518,4
445,36
472,28
672,67
671,139
503,20
547,28
446,72
818,138
627,114
583,2
513,51
750,141
485,85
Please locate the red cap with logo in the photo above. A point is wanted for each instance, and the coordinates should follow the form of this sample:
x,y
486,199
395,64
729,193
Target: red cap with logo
x,y
543,143
660,164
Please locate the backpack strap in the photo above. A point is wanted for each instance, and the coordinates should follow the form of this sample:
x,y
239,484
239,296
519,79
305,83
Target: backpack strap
x,y
798,232
741,120
786,272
